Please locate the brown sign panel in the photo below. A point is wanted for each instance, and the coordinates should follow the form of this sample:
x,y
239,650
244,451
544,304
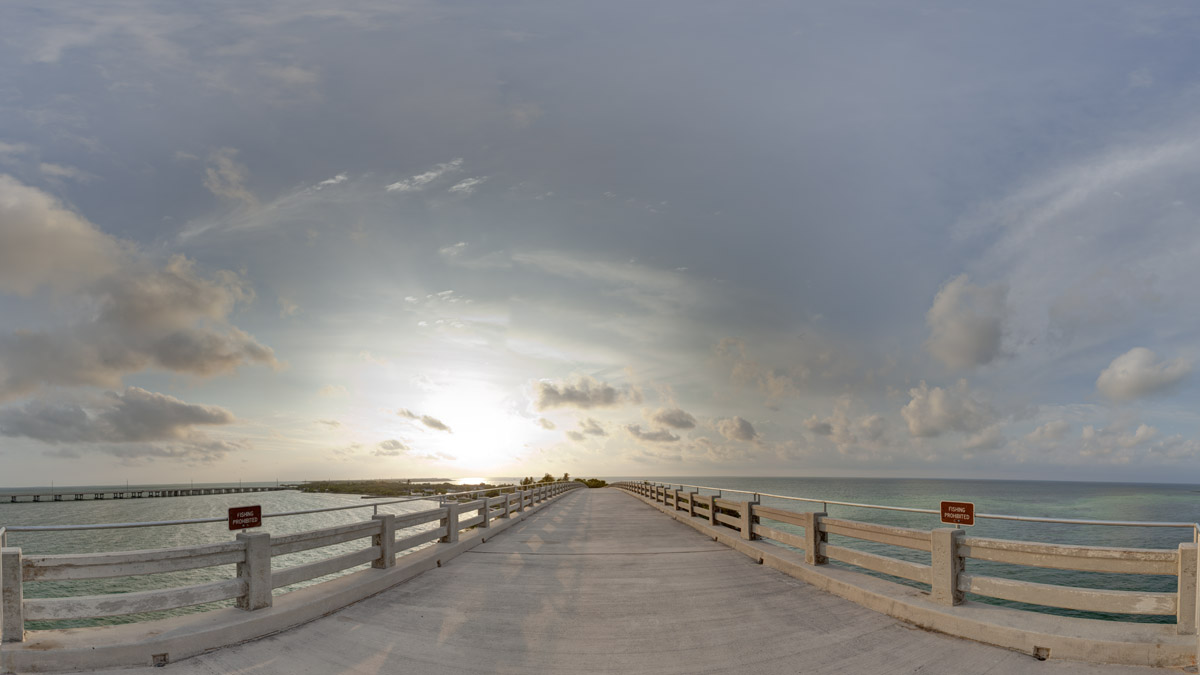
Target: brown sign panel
x,y
242,517
958,513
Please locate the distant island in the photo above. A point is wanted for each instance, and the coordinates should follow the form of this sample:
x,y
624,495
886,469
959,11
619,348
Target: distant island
x,y
415,488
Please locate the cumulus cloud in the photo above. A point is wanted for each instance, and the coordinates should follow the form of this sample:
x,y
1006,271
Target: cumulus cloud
x,y
575,436
391,448
656,436
737,429
1050,431
43,244
584,393
546,424
934,411
136,415
141,316
1138,373
672,417
226,178
966,323
427,420
846,432
592,428
988,438
333,391
872,427
1116,440
818,426
422,180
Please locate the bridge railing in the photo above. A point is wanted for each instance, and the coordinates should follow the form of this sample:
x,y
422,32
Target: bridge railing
x,y
255,577
949,551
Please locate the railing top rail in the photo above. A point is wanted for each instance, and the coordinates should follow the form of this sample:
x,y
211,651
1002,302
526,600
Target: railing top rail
x,y
194,521
992,516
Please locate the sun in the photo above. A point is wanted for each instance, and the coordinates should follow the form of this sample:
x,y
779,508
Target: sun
x,y
487,432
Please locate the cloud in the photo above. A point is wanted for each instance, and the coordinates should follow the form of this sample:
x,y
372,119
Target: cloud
x,y
737,429
334,391
672,417
1050,431
546,424
431,422
575,436
1114,441
966,323
468,186
592,428
133,416
988,438
934,411
872,427
340,178
422,180
1138,373
226,178
332,424
584,393
845,432
656,436
391,448
14,149
61,171
818,426
139,316
287,308
43,244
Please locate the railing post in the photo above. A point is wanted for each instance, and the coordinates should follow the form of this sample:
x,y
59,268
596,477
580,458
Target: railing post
x,y
486,512
813,538
450,522
520,501
385,540
712,510
947,565
692,504
12,614
747,526
256,571
677,500
1185,614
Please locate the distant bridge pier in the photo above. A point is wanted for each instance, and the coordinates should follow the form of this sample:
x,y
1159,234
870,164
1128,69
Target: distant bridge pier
x,y
125,493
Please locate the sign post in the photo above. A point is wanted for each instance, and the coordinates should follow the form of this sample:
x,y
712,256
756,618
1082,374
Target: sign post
x,y
242,517
958,513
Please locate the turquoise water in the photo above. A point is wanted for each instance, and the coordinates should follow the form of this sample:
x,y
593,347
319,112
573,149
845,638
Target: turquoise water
x,y
1096,501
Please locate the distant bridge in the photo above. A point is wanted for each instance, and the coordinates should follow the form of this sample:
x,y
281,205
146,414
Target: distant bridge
x,y
77,495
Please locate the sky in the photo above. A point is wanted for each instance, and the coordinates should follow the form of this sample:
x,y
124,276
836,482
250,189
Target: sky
x,y
384,239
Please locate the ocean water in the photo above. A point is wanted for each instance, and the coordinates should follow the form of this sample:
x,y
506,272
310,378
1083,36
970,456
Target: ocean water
x,y
175,508
1076,500
1102,501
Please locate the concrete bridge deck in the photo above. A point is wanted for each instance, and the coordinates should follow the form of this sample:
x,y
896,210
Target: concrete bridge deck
x,y
601,583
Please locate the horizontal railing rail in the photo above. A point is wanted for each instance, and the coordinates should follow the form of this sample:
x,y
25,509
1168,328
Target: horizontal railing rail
x,y
374,504
252,554
1195,527
947,574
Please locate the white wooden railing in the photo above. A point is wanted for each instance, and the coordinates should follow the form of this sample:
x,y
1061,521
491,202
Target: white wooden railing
x,y
255,576
950,551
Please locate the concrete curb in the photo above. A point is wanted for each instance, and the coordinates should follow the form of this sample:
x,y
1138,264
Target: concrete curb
x,y
1087,640
176,638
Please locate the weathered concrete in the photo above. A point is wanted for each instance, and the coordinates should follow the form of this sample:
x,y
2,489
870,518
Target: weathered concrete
x,y
600,583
